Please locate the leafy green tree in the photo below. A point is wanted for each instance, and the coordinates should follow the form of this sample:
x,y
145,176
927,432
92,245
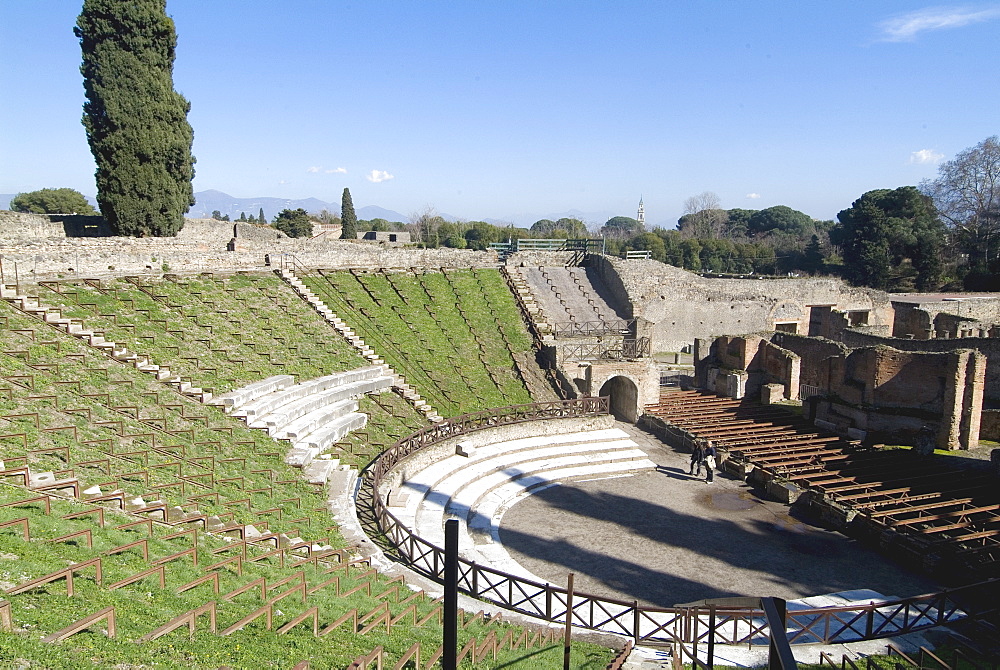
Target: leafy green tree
x,y
52,201
779,218
481,234
621,227
813,258
136,122
883,229
543,226
294,222
967,195
243,217
348,219
574,228
260,216
651,242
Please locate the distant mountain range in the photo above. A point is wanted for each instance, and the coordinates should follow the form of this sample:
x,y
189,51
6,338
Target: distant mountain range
x,y
209,201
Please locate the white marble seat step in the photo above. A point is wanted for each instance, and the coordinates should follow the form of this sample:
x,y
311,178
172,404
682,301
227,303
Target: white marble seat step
x,y
315,443
241,396
334,431
276,420
271,401
419,483
496,475
307,423
511,481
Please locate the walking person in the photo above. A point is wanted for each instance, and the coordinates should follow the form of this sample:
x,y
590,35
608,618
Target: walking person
x,y
697,457
710,455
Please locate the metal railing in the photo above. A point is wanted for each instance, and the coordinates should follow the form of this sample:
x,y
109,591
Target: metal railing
x,y
587,245
593,328
674,625
625,350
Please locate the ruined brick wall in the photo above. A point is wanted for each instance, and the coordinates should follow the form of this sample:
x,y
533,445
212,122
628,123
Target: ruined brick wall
x,y
892,394
762,361
988,346
817,355
887,393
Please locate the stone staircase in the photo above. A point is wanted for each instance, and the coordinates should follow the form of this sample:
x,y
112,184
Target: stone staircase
x,y
529,306
399,384
313,415
52,316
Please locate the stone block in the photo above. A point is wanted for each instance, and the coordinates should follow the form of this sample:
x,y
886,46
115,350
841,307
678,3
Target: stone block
x,y
783,492
772,393
464,449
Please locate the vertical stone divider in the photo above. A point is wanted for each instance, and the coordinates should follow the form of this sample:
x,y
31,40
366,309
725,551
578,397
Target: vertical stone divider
x,y
399,384
32,306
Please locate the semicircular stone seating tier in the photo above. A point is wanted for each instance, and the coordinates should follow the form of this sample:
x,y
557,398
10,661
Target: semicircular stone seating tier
x,y
478,485
313,415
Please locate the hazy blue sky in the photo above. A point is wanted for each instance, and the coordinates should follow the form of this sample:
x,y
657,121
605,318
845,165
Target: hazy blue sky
x,y
495,109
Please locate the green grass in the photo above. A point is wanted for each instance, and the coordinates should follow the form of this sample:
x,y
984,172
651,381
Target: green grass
x,y
66,407
221,333
451,334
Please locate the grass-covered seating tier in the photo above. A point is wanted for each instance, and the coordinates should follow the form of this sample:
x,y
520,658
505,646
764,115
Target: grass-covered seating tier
x,y
221,332
451,333
130,513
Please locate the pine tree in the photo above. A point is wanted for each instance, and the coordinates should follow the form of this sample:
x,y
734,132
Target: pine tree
x,y
136,122
243,217
348,219
260,217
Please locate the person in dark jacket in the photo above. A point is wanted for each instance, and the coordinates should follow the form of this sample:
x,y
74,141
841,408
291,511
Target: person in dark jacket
x,y
697,458
710,462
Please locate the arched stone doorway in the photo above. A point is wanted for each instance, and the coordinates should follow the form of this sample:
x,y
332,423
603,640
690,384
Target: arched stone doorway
x,y
624,398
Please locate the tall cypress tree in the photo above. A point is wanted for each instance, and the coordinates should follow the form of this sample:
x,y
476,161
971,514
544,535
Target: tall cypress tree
x,y
261,218
136,122
348,219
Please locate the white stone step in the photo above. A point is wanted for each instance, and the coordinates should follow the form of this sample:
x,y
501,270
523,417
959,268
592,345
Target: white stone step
x,y
301,427
237,397
271,401
276,420
305,451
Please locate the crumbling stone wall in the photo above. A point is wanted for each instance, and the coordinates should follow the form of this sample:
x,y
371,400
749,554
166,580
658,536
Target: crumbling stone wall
x,y
988,346
749,362
972,315
204,245
683,306
880,393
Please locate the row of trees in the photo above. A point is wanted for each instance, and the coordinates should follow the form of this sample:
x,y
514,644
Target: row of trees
x,y
944,233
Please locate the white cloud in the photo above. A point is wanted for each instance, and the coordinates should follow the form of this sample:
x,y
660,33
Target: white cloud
x,y
314,169
906,27
925,156
378,176
282,182
336,171
753,196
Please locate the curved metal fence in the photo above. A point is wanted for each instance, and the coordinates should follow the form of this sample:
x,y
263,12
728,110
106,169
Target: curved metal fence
x,y
684,625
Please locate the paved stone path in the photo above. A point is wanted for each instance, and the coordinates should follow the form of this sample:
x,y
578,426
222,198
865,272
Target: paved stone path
x,y
665,538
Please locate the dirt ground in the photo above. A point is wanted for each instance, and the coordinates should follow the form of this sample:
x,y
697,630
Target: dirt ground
x,y
666,538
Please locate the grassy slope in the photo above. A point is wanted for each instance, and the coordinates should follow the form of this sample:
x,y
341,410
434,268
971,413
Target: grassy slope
x,y
450,334
65,389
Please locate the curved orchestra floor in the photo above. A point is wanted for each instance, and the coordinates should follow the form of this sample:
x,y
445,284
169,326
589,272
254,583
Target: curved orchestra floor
x,y
665,538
